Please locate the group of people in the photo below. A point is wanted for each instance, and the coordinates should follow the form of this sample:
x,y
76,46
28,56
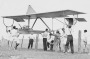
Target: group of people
x,y
12,37
54,40
51,40
55,43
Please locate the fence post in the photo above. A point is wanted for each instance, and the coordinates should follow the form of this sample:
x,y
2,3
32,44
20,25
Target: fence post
x,y
36,44
79,41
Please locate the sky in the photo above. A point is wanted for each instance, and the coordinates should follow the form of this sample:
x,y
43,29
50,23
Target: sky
x,y
19,7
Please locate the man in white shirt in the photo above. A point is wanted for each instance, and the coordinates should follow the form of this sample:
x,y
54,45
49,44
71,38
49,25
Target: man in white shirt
x,y
69,39
8,36
31,40
17,41
45,37
15,36
10,39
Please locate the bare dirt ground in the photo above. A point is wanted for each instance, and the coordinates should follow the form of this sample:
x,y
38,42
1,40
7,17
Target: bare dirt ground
x,y
25,53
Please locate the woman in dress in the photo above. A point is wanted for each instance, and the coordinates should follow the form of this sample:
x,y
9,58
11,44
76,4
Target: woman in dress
x,y
57,41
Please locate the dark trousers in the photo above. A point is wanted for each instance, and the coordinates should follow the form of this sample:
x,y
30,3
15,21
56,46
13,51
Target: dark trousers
x,y
10,43
45,44
69,41
48,44
51,45
30,43
16,45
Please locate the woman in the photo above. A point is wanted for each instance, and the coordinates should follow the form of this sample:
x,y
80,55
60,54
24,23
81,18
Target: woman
x,y
63,39
57,41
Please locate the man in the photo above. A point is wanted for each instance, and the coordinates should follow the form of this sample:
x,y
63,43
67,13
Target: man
x,y
85,41
15,36
8,37
17,41
45,36
31,40
69,39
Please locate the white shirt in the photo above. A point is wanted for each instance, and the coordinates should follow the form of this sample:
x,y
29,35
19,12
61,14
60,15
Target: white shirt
x,y
68,31
64,39
17,39
45,35
14,33
85,37
31,36
8,36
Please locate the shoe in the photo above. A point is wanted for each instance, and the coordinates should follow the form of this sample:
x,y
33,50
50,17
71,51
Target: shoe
x,y
72,52
65,52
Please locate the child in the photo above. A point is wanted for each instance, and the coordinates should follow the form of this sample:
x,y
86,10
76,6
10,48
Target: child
x,y
85,41
51,45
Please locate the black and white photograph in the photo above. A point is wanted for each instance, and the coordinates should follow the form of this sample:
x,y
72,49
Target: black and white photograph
x,y
44,29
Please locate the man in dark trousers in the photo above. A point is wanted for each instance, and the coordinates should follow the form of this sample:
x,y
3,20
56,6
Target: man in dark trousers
x,y
69,40
31,40
45,36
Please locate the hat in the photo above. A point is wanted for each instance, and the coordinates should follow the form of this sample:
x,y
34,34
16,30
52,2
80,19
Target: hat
x,y
69,26
50,34
57,31
14,27
46,29
85,30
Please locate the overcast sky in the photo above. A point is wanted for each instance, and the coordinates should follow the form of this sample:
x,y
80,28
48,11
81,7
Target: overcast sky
x,y
19,7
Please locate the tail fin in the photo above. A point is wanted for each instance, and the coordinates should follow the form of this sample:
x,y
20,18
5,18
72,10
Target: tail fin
x,y
30,10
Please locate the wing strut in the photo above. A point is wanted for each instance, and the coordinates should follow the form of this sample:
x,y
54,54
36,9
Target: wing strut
x,y
8,26
44,23
28,21
52,24
34,22
76,20
61,21
19,25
